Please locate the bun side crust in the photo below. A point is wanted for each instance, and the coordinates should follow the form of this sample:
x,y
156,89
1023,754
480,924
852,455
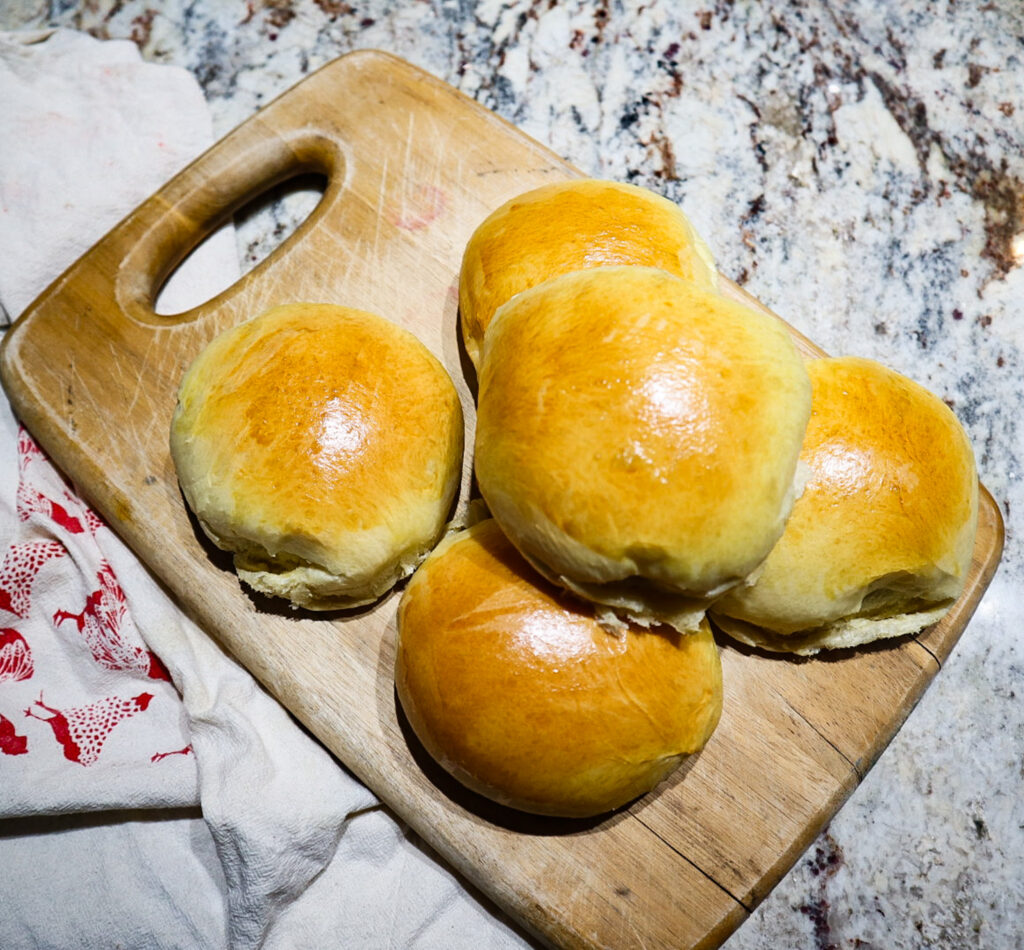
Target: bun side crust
x,y
637,436
880,542
843,634
518,692
323,446
570,226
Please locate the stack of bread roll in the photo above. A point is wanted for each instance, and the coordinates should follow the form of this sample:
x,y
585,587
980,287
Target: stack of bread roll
x,y
653,455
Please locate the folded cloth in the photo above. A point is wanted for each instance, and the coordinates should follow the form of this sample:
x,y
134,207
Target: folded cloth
x,y
109,696
89,719
141,880
89,132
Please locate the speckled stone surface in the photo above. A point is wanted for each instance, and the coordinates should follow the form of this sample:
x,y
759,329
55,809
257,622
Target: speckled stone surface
x,y
859,167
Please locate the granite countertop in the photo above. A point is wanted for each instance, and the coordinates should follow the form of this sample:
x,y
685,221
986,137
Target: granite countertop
x,y
857,166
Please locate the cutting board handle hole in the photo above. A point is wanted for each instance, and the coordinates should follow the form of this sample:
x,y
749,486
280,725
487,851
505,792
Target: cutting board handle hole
x,y
256,230
267,221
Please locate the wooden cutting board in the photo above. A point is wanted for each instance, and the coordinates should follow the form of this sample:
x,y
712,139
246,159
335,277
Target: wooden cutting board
x,y
412,167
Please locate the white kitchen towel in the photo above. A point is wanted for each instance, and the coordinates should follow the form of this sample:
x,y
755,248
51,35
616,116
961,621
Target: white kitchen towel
x,y
88,131
136,880
89,719
305,854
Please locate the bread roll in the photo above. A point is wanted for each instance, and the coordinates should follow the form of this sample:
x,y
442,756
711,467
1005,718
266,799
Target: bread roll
x,y
323,446
637,437
880,542
517,691
569,226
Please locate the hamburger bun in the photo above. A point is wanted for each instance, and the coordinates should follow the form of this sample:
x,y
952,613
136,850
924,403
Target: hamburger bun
x,y
637,437
322,446
516,690
569,226
880,542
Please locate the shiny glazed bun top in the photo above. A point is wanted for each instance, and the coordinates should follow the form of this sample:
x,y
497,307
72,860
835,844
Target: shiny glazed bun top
x,y
880,542
322,445
637,437
570,226
519,693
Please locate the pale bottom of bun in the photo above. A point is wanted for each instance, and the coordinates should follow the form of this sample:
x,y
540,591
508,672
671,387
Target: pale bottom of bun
x,y
635,600
623,586
618,603
312,586
632,598
838,635
640,600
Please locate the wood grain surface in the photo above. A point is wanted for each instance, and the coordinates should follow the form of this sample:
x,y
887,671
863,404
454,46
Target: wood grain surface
x,y
412,167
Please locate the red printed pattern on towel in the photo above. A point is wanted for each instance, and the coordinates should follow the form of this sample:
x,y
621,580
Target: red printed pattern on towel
x,y
75,519
30,499
104,622
15,656
10,742
82,731
107,627
160,756
21,565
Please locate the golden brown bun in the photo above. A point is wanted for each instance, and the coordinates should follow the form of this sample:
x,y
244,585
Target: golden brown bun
x,y
323,446
569,226
880,542
637,437
520,694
